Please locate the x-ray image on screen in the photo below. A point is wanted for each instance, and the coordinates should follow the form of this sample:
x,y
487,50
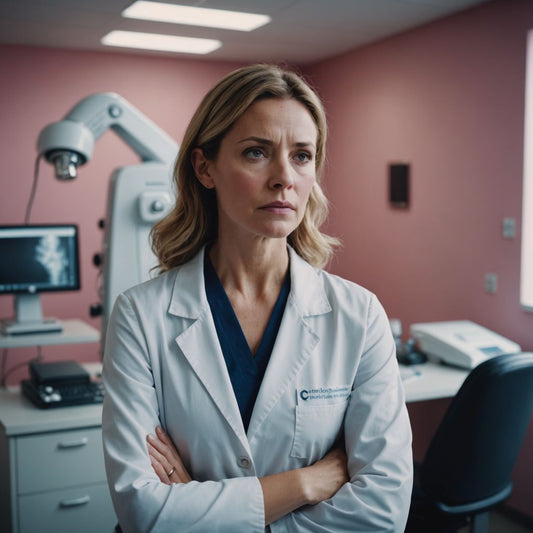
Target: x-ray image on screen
x,y
44,259
35,259
52,254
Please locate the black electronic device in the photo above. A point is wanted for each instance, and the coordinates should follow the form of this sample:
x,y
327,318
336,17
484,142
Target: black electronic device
x,y
60,384
410,354
35,259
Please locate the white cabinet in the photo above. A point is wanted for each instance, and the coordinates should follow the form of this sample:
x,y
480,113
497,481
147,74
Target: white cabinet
x,y
52,475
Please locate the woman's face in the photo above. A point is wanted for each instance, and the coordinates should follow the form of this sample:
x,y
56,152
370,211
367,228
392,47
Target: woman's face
x,y
264,170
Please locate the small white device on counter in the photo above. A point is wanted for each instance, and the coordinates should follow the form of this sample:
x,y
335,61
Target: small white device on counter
x,y
461,342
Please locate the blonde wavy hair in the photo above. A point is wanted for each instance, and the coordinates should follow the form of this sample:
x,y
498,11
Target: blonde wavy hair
x,y
193,220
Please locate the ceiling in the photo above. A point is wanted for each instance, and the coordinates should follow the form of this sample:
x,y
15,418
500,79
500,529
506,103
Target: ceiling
x,y
301,31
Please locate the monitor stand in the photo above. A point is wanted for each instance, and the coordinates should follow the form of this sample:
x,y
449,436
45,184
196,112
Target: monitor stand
x,y
29,318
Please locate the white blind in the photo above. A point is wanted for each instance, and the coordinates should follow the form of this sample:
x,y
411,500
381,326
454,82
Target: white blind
x,y
526,276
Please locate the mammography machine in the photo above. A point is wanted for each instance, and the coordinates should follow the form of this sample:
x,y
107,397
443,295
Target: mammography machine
x,y
461,342
139,195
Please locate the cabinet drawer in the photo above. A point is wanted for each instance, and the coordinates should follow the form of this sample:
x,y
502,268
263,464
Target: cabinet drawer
x,y
85,509
59,460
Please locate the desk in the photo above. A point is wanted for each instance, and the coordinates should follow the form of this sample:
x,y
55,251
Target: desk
x,y
51,461
74,332
52,468
430,381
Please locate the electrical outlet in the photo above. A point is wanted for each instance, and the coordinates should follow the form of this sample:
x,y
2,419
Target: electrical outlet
x,y
491,282
509,228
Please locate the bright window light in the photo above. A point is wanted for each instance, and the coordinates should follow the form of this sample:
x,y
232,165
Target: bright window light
x,y
526,282
155,41
195,16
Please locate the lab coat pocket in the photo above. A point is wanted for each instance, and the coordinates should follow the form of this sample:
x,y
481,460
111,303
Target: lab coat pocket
x,y
316,428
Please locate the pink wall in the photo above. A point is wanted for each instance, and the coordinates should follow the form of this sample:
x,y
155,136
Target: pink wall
x,y
40,86
449,99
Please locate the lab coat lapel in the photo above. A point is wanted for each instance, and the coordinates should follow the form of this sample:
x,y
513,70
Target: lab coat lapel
x,y
199,342
296,339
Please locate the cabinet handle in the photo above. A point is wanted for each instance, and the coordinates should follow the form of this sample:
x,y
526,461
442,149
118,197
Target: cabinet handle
x,y
75,502
73,443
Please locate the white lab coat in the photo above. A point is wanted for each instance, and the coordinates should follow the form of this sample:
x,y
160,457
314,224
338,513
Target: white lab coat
x,y
332,372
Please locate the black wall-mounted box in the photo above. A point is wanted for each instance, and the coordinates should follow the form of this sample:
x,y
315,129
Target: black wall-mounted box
x,y
399,184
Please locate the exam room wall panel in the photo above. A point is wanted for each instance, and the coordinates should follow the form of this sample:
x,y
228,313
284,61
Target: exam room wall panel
x,y
448,98
40,86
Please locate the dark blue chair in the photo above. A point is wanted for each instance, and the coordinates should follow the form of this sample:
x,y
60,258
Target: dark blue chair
x,y
466,470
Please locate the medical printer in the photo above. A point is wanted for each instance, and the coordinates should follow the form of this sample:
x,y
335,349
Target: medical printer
x,y
461,342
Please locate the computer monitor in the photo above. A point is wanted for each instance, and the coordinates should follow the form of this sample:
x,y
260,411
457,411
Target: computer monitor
x,y
35,259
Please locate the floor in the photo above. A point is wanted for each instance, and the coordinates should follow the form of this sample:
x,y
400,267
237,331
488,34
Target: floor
x,y
500,523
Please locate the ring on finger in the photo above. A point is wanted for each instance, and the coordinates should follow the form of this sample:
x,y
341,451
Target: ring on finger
x,y
171,471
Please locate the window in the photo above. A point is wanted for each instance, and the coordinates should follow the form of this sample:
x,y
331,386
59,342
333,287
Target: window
x,y
526,277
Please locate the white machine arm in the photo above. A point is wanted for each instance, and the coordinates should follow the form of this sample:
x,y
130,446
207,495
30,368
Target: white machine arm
x,y
139,195
69,142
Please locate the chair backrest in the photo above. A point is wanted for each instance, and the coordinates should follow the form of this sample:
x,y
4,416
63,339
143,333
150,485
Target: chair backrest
x,y
473,452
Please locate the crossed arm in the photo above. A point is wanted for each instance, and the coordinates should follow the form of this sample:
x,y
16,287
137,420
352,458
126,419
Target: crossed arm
x,y
282,493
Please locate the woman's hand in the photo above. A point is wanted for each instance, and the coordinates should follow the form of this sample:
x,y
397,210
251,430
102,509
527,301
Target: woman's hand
x,y
287,491
324,478
166,462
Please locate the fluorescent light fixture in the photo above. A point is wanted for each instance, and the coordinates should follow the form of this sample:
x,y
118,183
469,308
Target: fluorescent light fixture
x,y
195,16
156,41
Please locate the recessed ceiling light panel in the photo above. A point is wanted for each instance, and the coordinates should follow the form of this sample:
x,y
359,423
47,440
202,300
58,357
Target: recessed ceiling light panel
x,y
155,41
195,16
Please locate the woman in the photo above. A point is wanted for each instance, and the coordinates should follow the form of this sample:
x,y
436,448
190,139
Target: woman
x,y
276,382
